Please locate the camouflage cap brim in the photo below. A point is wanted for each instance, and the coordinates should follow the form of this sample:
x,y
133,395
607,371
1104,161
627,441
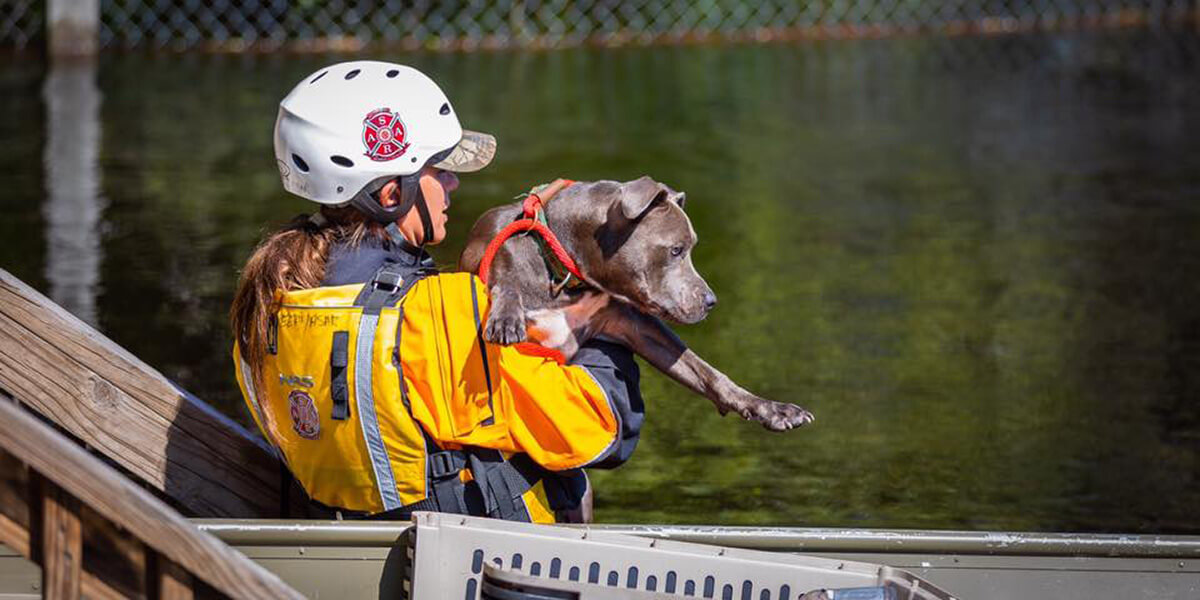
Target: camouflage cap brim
x,y
472,153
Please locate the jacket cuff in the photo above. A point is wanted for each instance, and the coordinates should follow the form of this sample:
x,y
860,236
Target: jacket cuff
x,y
616,372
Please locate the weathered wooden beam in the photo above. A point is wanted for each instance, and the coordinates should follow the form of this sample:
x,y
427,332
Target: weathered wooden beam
x,y
126,505
128,411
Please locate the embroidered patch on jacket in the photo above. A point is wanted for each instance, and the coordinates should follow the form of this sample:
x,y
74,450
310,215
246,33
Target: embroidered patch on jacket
x,y
383,135
305,418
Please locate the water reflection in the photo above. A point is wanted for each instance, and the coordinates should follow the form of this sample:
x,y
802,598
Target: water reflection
x,y
975,260
74,204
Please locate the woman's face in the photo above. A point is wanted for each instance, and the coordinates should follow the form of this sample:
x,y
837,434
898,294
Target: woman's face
x,y
436,186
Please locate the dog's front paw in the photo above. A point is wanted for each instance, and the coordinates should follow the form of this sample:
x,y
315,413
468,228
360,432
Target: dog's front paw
x,y
780,416
776,416
503,329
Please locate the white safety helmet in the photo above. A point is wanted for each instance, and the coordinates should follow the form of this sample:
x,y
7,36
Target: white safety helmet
x,y
346,130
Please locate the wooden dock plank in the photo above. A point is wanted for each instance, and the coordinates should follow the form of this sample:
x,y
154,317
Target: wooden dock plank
x,y
103,489
129,412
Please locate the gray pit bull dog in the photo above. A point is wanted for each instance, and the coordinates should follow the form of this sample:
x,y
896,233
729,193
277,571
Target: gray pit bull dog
x,y
633,242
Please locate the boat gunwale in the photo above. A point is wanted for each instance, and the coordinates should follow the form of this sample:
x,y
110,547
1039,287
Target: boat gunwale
x,y
280,532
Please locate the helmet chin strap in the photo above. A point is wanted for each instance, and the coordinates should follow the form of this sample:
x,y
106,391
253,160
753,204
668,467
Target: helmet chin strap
x,y
410,195
367,202
426,220
397,238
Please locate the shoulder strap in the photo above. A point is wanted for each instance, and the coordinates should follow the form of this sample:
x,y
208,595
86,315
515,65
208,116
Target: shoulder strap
x,y
385,288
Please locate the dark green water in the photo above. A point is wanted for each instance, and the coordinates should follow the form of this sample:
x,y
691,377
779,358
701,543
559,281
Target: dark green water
x,y
977,261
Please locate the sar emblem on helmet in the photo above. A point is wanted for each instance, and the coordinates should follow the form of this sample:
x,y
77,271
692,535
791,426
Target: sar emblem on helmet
x,y
305,419
383,135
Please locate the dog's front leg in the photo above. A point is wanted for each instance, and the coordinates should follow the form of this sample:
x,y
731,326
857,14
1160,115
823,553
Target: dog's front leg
x,y
651,339
506,317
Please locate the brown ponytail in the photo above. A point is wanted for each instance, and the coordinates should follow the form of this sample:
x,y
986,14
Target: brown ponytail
x,y
289,259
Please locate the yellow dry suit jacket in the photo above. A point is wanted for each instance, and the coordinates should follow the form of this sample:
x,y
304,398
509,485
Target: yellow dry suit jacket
x,y
382,398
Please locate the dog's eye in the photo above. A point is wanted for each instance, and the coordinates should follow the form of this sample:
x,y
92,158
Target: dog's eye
x,y
676,250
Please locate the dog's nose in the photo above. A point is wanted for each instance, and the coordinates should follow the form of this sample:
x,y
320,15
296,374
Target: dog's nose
x,y
710,300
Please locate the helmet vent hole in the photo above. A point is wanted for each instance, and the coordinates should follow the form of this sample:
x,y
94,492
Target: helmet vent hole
x,y
314,79
340,189
300,164
353,74
341,161
445,110
392,73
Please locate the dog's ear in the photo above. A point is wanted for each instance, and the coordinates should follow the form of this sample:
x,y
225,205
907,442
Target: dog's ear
x,y
639,195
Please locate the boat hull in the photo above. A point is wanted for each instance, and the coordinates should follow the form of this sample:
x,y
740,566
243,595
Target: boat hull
x,y
345,559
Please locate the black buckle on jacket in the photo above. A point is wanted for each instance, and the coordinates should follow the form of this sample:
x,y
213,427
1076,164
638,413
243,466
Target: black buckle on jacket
x,y
387,281
443,464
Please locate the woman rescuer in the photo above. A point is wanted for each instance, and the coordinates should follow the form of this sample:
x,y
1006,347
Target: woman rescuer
x,y
365,368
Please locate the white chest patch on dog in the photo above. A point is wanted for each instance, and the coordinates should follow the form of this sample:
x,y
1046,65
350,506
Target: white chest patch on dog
x,y
555,327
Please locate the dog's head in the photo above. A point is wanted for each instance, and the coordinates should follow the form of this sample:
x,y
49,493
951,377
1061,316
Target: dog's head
x,y
643,249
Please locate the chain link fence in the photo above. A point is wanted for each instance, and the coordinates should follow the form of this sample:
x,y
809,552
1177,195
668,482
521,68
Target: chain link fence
x,y
22,22
320,25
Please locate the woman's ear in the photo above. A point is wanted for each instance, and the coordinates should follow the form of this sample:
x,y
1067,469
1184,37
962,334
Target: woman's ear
x,y
389,194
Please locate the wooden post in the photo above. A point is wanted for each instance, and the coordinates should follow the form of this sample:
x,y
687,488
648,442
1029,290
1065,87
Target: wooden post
x,y
73,27
62,543
165,580
14,504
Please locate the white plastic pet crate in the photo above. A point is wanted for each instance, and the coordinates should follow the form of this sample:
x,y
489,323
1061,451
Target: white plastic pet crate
x,y
446,555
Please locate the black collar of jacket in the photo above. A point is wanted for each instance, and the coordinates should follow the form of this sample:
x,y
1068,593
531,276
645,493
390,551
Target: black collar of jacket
x,y
358,263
